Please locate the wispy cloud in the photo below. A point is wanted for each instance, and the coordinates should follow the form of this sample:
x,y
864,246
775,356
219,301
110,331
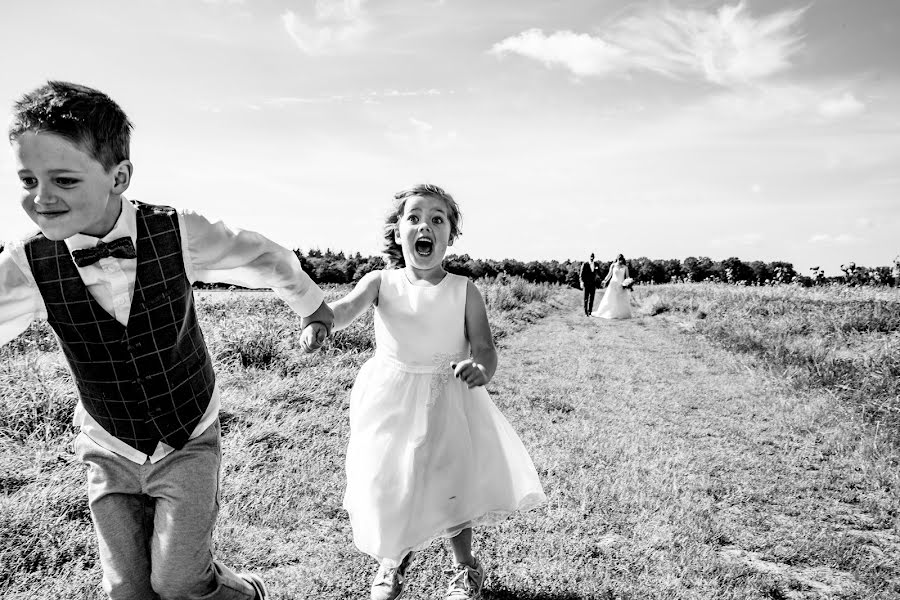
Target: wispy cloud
x,y
727,47
742,239
826,238
421,134
335,26
367,97
846,105
372,96
770,102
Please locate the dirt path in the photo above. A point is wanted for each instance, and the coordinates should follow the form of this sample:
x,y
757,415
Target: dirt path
x,y
676,470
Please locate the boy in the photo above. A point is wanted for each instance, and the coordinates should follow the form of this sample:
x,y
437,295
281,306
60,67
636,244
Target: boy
x,y
113,279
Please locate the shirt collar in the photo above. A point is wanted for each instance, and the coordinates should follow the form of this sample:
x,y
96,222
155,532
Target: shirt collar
x,y
126,226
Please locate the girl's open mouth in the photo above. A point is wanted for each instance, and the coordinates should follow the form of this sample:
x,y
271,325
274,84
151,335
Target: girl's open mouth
x,y
424,247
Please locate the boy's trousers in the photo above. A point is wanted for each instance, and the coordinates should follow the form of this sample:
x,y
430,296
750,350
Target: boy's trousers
x,y
154,522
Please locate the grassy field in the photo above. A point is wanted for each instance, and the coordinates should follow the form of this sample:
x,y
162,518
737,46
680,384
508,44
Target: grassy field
x,y
679,460
841,339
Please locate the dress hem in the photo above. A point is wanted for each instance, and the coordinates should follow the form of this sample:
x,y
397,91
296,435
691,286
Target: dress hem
x,y
491,517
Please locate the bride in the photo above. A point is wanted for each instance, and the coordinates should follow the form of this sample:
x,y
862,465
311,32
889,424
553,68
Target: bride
x,y
616,303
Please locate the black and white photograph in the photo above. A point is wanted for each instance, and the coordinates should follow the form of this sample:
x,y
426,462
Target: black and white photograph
x,y
446,299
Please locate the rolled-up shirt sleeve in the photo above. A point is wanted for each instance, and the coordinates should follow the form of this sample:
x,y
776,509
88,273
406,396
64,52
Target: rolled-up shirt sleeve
x,y
20,300
215,253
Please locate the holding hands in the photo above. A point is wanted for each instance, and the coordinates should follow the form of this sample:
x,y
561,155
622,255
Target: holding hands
x,y
313,336
471,372
316,328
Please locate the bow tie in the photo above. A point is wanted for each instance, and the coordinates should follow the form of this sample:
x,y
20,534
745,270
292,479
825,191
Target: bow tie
x,y
120,248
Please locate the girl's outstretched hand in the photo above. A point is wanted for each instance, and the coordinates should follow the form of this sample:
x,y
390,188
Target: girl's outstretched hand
x,y
470,371
313,336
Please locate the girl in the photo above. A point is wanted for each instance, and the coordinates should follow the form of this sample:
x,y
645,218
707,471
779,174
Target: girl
x,y
429,455
616,303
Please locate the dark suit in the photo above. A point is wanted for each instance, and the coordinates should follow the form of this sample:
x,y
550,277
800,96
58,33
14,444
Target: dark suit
x,y
589,285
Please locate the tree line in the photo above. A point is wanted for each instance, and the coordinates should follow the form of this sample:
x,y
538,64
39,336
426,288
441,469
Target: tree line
x,y
329,266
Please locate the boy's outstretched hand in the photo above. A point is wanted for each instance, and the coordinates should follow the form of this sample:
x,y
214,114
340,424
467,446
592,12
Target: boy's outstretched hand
x,y
313,336
470,372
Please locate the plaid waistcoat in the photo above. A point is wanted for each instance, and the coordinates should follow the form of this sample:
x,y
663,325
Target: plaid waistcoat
x,y
151,380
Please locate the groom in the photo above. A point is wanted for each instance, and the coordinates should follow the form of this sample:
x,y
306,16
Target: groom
x,y
588,284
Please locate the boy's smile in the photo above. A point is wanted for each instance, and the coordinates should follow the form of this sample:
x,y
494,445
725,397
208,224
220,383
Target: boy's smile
x,y
65,190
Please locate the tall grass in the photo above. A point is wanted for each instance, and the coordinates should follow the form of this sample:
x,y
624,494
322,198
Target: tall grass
x,y
269,386
845,340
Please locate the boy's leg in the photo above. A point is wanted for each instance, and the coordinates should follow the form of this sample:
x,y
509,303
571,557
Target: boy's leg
x,y
185,486
122,519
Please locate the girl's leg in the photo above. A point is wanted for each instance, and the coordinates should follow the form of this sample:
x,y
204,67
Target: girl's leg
x,y
466,583
461,544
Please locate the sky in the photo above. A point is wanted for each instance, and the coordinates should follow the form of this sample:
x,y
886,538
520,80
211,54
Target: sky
x,y
764,129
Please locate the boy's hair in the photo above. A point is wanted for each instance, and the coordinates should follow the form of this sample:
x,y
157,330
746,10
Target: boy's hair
x,y
392,250
84,116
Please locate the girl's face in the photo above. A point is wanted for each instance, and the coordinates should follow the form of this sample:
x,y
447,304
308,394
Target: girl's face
x,y
423,232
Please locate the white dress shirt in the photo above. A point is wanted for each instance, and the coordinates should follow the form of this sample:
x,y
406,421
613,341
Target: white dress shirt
x,y
212,253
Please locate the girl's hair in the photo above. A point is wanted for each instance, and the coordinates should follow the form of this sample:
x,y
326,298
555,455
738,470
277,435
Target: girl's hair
x,y
392,249
620,258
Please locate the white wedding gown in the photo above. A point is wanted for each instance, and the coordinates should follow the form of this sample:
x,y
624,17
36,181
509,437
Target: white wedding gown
x,y
616,302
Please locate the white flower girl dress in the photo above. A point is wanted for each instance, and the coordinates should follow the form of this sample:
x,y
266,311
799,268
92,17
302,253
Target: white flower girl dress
x,y
427,456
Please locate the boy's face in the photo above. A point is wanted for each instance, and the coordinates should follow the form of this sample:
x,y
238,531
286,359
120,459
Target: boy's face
x,y
65,191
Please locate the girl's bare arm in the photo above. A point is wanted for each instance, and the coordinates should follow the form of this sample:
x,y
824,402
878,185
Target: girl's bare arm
x,y
479,369
360,298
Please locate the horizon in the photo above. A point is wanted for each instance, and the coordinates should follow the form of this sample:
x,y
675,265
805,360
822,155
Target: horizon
x,y
575,260
760,129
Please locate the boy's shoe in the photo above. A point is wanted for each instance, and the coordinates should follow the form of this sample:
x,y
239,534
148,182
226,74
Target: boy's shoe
x,y
390,582
467,582
257,584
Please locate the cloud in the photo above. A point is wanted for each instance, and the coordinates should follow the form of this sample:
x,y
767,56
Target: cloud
x,y
728,47
767,102
283,101
743,239
825,238
846,105
373,96
421,127
366,97
336,26
421,134
582,54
